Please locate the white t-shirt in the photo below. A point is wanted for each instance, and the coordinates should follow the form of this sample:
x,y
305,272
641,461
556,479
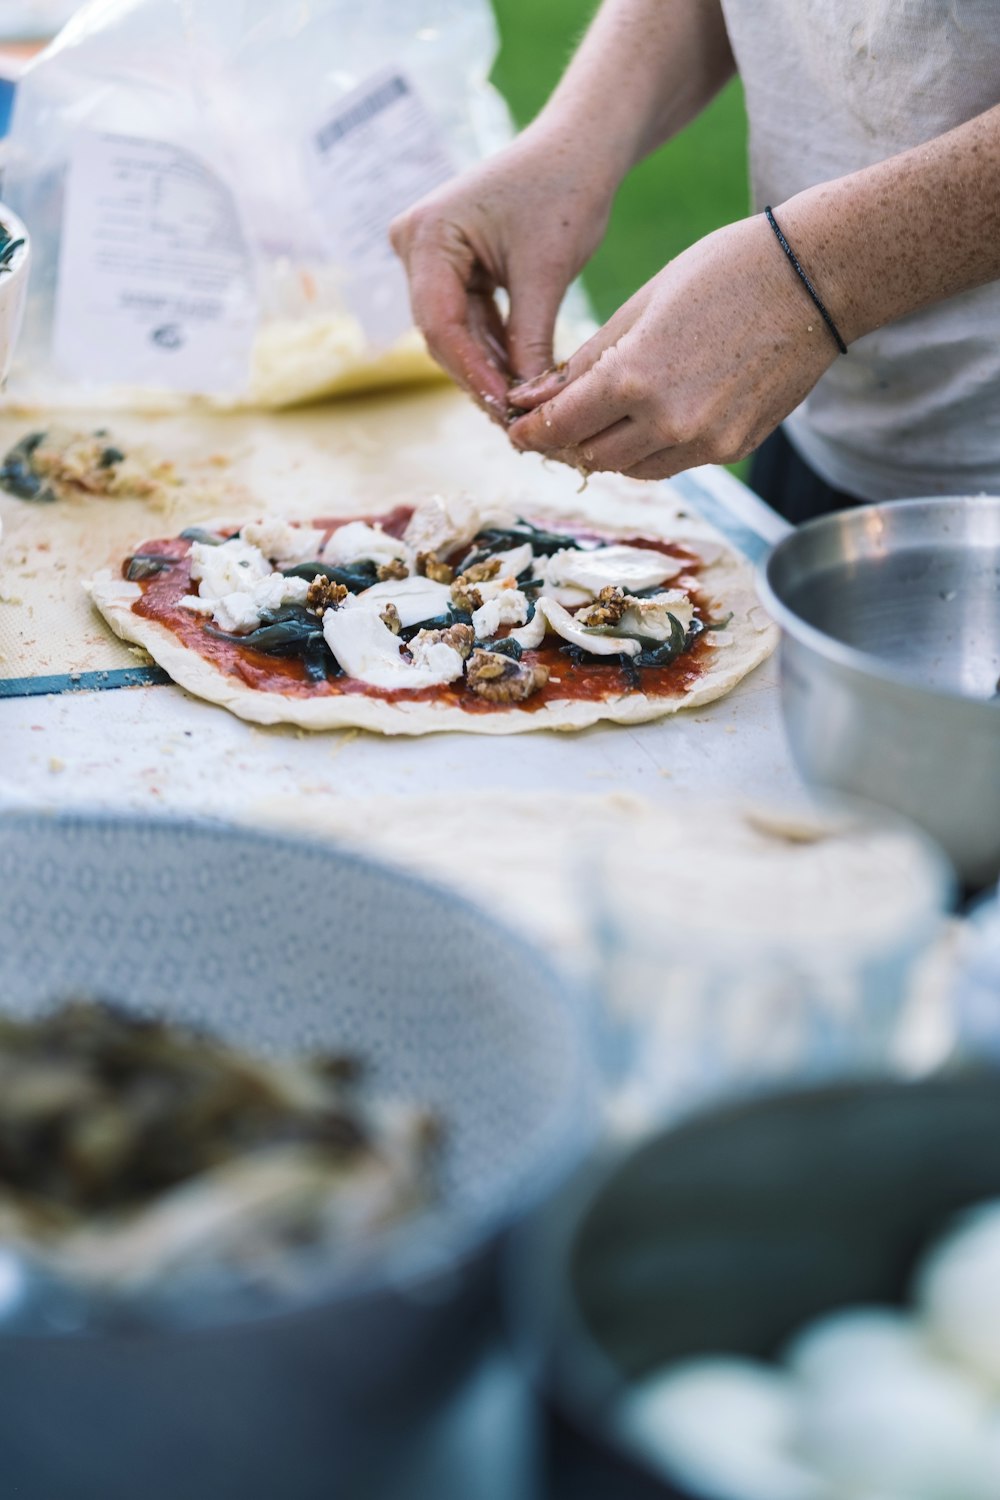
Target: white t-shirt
x,y
914,408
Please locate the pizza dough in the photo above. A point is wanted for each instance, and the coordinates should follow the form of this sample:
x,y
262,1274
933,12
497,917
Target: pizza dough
x,y
847,886
725,579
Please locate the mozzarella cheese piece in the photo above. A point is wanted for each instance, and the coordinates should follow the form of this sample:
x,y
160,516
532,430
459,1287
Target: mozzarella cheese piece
x,y
531,636
514,561
437,657
368,651
566,595
508,607
358,542
563,623
440,524
241,611
236,613
415,598
230,568
283,543
569,598
651,616
617,566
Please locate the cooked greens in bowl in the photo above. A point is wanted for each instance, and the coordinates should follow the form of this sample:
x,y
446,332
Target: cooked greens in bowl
x,y
136,1149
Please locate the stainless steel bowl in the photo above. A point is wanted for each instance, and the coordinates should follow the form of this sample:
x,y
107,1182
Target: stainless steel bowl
x,y
890,660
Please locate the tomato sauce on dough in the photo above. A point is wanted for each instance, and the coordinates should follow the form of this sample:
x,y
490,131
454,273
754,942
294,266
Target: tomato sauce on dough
x,y
568,680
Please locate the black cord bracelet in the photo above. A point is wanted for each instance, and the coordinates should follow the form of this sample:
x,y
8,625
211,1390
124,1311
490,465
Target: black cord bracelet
x,y
769,215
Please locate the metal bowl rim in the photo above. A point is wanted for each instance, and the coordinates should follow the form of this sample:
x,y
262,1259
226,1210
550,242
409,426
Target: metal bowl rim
x,y
839,653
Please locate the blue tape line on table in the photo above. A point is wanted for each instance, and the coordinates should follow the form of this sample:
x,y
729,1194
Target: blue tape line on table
x,y
81,682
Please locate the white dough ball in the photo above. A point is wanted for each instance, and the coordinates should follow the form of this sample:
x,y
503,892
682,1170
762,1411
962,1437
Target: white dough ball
x,y
856,1343
918,1432
721,1426
957,1288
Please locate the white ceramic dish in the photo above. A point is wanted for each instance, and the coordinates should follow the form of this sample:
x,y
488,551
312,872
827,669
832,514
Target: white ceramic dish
x,y
286,946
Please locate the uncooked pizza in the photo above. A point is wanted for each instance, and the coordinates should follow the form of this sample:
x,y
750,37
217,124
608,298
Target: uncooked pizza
x,y
445,615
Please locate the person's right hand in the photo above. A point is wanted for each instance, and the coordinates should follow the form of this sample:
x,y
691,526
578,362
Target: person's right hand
x,y
526,220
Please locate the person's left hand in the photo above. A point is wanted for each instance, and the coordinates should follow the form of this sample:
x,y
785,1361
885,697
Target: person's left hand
x,y
698,367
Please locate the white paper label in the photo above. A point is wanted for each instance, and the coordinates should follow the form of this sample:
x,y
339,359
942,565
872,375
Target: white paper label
x,y
372,157
156,284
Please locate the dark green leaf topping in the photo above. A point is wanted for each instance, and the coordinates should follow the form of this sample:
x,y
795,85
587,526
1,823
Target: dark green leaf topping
x,y
654,652
662,653
356,578
102,1110
206,538
451,616
8,249
503,538
146,565
319,661
504,647
285,637
289,631
17,473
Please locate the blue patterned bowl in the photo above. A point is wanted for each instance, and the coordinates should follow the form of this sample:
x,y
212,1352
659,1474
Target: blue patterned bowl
x,y
284,945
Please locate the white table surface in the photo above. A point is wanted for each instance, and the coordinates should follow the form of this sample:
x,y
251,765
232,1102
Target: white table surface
x,y
155,747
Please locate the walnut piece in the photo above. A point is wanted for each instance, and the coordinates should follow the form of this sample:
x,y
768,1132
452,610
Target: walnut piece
x,y
390,619
500,679
482,572
460,638
324,594
393,571
466,596
610,605
429,565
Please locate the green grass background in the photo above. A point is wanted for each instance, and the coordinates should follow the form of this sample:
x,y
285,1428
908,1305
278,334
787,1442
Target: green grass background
x,y
691,186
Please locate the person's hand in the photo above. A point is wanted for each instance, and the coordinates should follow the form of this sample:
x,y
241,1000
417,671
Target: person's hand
x,y
698,367
525,220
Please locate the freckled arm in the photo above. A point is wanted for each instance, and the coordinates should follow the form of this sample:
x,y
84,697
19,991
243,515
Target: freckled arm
x,y
711,354
910,231
644,70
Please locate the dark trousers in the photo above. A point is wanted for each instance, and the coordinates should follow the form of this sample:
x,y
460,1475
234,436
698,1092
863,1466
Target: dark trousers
x,y
787,483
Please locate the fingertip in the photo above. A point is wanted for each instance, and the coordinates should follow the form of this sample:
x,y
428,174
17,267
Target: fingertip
x,y
519,438
494,406
539,388
527,435
525,404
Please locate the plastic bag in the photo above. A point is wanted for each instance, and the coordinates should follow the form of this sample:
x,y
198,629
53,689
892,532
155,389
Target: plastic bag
x,y
208,185
30,20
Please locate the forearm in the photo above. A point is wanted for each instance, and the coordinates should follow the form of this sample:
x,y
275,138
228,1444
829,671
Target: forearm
x,y
913,230
644,69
